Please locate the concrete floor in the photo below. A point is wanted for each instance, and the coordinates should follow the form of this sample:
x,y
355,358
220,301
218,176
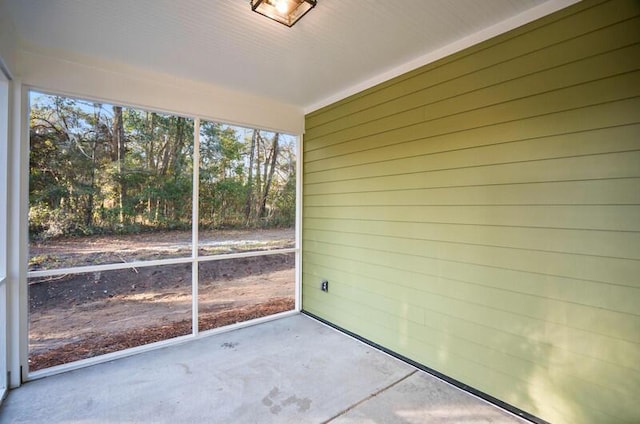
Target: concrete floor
x,y
291,370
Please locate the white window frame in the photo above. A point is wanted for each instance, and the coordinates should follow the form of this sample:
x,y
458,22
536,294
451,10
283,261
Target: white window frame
x,y
194,258
4,200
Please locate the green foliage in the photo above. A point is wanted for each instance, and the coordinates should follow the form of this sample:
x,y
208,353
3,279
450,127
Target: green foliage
x,y
285,203
45,223
85,179
222,204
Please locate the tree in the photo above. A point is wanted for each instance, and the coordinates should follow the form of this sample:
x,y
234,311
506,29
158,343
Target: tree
x,y
249,196
109,168
118,146
271,161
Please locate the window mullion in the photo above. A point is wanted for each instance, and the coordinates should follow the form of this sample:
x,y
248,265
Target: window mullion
x,y
194,226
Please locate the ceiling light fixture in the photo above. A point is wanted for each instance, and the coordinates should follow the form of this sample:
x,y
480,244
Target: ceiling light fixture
x,y
287,12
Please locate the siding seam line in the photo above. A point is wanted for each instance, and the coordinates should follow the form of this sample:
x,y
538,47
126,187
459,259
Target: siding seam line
x,y
460,149
469,263
493,124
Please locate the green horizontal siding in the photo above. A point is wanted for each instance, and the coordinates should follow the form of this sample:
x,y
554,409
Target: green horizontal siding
x,y
594,243
481,214
444,98
601,116
583,142
428,121
599,192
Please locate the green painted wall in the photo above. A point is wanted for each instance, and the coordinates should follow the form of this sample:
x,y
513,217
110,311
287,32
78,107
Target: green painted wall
x,y
481,215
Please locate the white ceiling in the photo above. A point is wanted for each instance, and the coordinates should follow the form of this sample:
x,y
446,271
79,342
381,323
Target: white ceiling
x,y
336,47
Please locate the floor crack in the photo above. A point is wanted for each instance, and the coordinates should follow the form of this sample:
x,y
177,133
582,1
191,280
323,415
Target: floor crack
x,y
360,402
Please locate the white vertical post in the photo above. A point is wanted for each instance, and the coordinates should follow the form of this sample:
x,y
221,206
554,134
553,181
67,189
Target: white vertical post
x,y
17,233
4,170
194,226
4,202
298,261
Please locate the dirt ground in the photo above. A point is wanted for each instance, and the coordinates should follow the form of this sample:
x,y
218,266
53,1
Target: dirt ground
x,y
77,316
95,250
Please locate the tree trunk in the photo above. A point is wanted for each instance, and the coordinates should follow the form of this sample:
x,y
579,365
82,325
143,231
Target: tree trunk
x,y
94,161
249,201
176,149
119,144
269,177
152,163
152,166
165,155
258,184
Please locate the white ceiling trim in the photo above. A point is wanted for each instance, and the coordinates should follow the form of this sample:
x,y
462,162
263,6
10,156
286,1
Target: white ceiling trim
x,y
507,25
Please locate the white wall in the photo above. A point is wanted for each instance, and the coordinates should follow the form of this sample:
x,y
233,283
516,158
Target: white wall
x,y
81,76
7,41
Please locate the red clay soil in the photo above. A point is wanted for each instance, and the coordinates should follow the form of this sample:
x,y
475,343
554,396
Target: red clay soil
x,y
78,316
99,344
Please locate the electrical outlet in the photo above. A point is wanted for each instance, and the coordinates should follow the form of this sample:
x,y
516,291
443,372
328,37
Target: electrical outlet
x,y
324,286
